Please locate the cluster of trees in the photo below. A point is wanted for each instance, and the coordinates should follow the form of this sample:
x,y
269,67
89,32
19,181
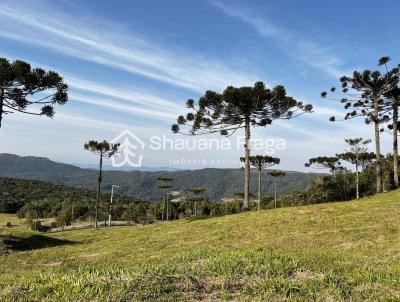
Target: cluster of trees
x,y
39,200
342,185
373,95
261,162
356,155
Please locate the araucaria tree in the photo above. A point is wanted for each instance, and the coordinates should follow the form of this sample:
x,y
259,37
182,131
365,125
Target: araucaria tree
x,y
237,108
324,162
356,155
394,126
393,102
261,162
276,174
196,197
29,91
363,94
103,149
165,185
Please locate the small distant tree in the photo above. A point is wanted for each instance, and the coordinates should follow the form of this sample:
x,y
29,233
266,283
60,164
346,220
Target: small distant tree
x,y
357,148
103,149
261,162
196,197
165,185
324,162
276,174
238,108
23,88
363,94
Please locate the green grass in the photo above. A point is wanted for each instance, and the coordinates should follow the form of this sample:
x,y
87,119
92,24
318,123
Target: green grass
x,y
346,251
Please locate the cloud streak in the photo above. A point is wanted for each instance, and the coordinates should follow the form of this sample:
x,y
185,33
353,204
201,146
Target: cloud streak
x,y
149,113
305,50
135,96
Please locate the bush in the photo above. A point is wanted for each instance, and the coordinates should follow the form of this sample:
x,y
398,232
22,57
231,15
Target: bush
x,y
36,225
64,217
8,224
3,246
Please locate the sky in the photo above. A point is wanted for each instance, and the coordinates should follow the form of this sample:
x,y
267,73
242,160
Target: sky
x,y
131,65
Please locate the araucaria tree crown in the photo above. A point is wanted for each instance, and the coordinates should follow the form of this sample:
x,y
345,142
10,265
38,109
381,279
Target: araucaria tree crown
x,y
236,107
324,162
104,148
22,87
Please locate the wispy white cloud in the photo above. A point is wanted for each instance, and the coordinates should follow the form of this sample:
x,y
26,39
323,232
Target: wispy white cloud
x,y
308,51
264,27
135,110
88,40
133,95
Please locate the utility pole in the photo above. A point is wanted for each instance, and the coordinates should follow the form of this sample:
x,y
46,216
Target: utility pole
x,y
111,201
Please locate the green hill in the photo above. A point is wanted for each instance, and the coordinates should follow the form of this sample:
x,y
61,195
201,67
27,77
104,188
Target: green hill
x,y
346,251
144,185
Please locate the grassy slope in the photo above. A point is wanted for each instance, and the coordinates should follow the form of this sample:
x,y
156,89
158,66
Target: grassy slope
x,y
331,252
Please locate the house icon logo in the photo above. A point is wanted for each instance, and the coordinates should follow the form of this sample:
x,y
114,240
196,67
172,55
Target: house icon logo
x,y
131,148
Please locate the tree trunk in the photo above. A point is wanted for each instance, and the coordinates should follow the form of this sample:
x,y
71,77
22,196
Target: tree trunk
x,y
275,191
110,207
246,197
377,147
259,188
36,216
357,181
98,191
395,145
72,215
167,205
163,209
1,104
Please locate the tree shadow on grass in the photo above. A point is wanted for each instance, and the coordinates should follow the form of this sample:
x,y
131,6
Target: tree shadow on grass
x,y
32,242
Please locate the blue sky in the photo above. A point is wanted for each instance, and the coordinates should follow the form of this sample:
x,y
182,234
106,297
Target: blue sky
x,y
132,65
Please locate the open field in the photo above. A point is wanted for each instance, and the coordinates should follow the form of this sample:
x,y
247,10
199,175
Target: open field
x,y
347,251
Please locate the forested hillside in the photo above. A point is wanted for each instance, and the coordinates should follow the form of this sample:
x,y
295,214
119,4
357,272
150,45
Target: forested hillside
x,y
219,183
15,193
